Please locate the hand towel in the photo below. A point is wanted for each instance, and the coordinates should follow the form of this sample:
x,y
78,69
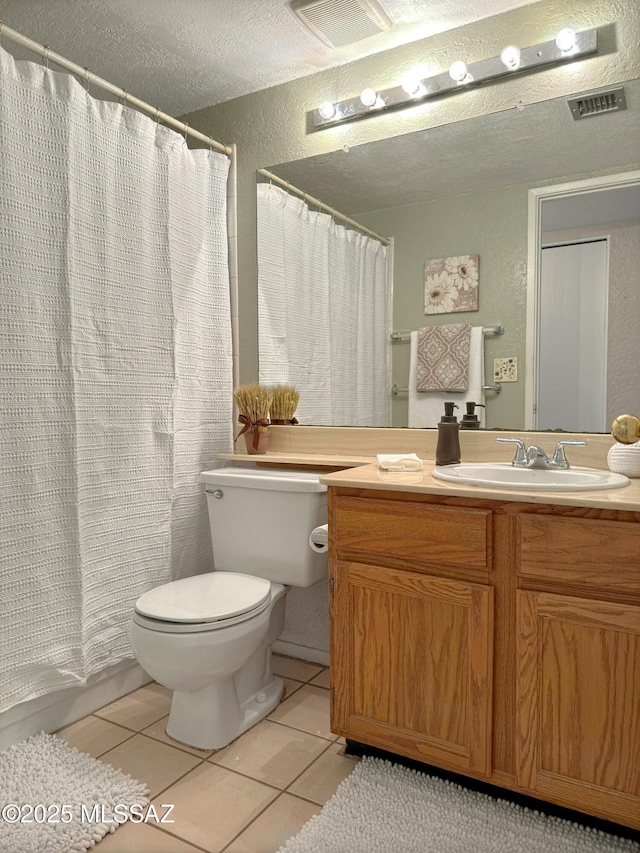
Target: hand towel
x,y
443,357
399,461
425,409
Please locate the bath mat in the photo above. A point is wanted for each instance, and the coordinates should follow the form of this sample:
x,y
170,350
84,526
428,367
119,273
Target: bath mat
x,y
54,799
386,808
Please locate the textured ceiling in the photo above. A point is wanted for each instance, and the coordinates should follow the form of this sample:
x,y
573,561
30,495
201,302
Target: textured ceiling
x,y
540,142
183,55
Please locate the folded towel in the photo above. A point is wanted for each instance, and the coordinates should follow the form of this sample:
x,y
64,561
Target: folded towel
x,y
399,461
425,410
443,357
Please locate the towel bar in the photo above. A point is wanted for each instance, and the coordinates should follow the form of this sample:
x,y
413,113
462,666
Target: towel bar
x,y
486,330
496,386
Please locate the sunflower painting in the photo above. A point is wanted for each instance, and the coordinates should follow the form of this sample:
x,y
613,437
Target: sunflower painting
x,y
451,284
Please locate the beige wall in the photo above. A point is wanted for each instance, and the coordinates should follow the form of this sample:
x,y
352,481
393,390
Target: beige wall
x,y
269,127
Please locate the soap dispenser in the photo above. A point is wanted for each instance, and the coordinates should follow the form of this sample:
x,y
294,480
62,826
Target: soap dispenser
x,y
470,420
448,446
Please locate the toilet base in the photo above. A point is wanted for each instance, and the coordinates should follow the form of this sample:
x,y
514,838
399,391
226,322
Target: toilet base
x,y
211,718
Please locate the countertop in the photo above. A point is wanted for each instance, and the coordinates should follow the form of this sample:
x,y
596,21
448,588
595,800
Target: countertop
x,y
371,477
362,472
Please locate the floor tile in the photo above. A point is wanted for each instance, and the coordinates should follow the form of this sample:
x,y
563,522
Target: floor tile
x,y
143,838
283,819
213,805
290,686
151,762
321,680
298,669
139,709
93,735
308,710
320,781
271,753
158,731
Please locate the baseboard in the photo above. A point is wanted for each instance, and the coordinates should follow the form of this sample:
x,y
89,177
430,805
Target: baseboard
x,y
293,650
63,707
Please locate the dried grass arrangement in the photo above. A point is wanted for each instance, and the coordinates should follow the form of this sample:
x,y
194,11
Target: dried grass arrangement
x,y
254,402
284,403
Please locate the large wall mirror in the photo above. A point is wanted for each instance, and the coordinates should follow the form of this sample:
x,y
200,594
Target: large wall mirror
x,y
463,189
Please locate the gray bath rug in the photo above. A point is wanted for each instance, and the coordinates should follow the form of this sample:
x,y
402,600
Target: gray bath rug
x,y
54,799
385,808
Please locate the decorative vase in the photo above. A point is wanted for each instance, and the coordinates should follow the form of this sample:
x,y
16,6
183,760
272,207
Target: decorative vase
x,y
625,459
256,440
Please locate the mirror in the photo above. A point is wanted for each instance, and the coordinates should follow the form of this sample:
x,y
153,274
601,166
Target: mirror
x,y
463,189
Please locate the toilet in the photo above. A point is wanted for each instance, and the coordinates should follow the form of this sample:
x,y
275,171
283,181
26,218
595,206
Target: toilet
x,y
209,637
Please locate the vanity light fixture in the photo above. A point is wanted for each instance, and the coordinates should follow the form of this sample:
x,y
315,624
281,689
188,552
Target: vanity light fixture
x,y
567,46
412,84
368,97
458,72
327,109
510,57
566,40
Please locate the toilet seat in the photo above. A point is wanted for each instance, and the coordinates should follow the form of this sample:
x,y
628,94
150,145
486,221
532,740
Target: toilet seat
x,y
203,603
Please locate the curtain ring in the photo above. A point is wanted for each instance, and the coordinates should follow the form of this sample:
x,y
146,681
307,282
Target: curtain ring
x,y
86,79
157,116
45,58
184,131
1,26
123,97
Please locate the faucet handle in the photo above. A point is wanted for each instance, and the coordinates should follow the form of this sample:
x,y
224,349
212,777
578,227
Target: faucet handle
x,y
521,452
559,460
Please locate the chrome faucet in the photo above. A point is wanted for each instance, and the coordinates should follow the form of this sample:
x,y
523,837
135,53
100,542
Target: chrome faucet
x,y
535,457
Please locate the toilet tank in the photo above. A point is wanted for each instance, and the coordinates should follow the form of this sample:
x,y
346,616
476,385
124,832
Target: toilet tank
x,y
260,522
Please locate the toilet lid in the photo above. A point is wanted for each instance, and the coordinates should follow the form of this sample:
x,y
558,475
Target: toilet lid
x,y
205,598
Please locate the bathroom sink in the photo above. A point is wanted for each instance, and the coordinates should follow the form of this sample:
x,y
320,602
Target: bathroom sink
x,y
509,477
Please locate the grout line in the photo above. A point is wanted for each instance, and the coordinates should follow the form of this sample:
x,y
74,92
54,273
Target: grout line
x,y
179,838
252,821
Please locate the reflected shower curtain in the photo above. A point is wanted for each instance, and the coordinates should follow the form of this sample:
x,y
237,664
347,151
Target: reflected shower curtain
x,y
322,312
115,371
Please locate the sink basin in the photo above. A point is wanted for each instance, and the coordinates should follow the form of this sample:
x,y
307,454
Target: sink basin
x,y
509,477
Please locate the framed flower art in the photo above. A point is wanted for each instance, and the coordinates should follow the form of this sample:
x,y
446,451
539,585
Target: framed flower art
x,y
451,284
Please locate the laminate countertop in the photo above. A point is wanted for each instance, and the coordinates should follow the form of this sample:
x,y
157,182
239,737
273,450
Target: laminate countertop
x,y
371,477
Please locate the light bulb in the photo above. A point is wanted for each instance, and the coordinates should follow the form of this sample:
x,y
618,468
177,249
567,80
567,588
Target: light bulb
x,y
368,97
566,39
411,84
510,56
327,109
458,71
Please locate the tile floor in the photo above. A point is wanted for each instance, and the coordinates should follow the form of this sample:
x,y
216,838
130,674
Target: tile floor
x,y
248,798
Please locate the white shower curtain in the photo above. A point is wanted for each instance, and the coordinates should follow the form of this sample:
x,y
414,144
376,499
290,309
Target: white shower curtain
x,y
115,370
322,312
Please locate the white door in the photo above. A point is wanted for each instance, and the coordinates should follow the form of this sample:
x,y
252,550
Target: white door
x,y
572,337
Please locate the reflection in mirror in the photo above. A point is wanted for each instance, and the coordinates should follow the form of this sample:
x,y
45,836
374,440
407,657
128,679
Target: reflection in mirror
x,y
323,300
462,189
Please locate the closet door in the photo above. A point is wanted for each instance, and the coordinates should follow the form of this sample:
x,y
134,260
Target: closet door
x,y
572,342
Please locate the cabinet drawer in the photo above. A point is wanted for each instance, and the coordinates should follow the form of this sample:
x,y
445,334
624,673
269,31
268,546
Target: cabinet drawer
x,y
412,533
580,552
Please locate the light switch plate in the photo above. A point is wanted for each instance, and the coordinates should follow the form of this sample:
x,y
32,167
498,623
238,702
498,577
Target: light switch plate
x,y
505,369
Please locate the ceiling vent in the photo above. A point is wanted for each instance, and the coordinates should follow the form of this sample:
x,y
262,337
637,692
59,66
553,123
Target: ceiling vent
x,y
340,22
598,103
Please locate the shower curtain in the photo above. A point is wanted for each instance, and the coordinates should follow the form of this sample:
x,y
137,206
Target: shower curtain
x,y
115,370
322,312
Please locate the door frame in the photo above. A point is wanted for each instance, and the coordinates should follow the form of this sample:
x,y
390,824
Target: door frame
x,y
536,196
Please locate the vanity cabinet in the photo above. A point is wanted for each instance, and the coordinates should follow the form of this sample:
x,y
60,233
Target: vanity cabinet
x,y
496,639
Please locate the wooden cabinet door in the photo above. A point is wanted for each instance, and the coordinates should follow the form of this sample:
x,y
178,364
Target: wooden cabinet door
x,y
411,659
578,703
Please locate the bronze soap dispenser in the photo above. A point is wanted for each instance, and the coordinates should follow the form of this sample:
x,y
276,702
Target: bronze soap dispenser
x,y
448,446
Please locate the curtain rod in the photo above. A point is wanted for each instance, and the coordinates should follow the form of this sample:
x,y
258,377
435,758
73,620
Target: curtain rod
x,y
317,203
90,77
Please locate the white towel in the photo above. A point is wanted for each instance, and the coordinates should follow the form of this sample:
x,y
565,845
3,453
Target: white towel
x,y
399,461
426,408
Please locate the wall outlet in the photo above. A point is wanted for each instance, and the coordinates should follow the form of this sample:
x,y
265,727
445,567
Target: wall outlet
x,y
505,369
